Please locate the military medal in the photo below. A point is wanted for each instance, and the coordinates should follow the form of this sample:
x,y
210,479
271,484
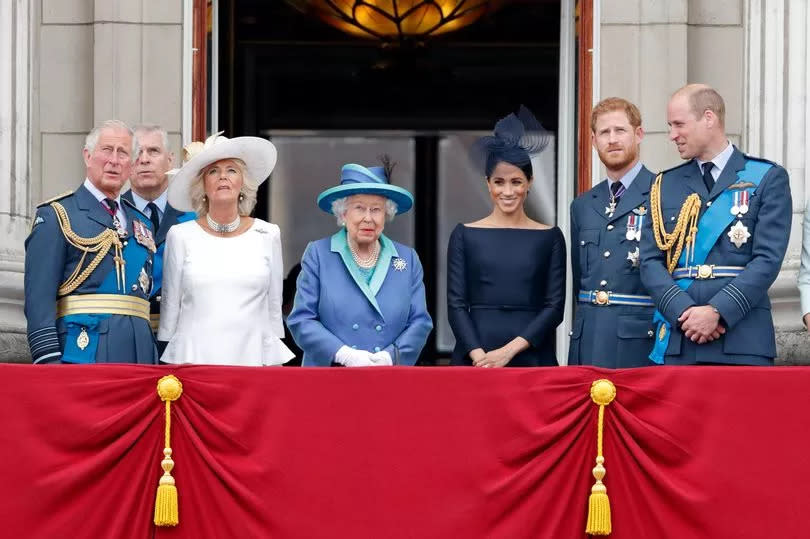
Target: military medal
x,y
399,264
83,339
634,227
740,206
738,234
143,280
119,228
610,208
143,235
633,257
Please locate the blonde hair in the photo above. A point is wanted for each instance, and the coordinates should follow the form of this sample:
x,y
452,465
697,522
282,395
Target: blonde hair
x,y
246,202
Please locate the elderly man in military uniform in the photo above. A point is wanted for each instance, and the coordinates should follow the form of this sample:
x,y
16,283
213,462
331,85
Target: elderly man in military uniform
x,y
613,323
715,243
88,264
149,187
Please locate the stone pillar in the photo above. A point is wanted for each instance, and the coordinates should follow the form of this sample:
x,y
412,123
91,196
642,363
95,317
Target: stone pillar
x,y
65,66
777,78
15,140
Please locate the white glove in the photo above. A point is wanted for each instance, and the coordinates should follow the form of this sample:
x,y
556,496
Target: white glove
x,y
351,357
382,359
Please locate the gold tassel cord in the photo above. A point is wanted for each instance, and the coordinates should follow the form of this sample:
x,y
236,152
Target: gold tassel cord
x,y
685,227
100,245
169,389
602,393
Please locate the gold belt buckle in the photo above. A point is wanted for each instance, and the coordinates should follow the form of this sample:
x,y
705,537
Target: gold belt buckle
x,y
705,271
602,298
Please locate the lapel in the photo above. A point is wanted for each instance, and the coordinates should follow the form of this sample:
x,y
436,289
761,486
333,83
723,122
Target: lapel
x,y
634,196
600,199
132,213
170,216
729,175
693,179
95,211
387,252
340,245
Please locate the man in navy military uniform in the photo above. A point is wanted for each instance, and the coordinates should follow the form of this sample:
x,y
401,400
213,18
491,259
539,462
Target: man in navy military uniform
x,y
88,264
719,230
149,185
613,322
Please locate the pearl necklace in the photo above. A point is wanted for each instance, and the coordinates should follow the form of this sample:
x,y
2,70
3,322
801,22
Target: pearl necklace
x,y
220,228
369,261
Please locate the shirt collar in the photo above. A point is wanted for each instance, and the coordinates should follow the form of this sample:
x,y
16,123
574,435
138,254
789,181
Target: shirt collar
x,y
97,193
628,178
720,160
141,202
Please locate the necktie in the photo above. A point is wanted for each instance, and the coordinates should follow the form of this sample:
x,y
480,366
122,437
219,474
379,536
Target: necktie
x,y
708,179
154,216
617,190
112,205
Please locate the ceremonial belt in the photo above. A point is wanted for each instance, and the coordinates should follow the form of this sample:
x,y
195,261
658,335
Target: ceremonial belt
x,y
706,271
103,304
154,321
606,297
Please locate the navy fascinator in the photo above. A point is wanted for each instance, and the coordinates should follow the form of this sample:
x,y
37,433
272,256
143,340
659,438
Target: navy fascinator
x,y
514,140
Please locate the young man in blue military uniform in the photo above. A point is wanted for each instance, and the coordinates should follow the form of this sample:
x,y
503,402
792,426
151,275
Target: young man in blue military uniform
x,y
613,323
719,230
149,186
88,265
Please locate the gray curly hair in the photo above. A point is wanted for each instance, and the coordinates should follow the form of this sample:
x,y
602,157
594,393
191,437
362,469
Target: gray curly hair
x,y
339,209
248,192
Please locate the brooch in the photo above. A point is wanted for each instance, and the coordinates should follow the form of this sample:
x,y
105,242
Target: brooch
x,y
399,264
260,230
738,234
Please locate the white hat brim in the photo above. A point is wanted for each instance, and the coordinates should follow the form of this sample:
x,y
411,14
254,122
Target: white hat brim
x,y
258,154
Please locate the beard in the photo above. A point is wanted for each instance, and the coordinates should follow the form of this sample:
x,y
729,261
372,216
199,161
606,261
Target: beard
x,y
618,161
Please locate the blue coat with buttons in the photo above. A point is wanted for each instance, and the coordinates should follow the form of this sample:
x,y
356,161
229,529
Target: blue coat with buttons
x,y
50,260
742,301
602,258
334,306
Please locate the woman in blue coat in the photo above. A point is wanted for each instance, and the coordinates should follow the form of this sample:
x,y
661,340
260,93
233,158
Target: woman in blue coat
x,y
360,299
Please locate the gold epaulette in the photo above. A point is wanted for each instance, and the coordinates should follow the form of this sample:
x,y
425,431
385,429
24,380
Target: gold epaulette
x,y
685,228
60,196
100,245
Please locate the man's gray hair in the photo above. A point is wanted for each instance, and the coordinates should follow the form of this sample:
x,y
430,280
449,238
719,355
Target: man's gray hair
x,y
154,128
339,209
91,139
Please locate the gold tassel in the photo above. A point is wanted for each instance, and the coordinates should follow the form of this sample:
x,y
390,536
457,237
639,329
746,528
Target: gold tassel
x,y
602,393
169,389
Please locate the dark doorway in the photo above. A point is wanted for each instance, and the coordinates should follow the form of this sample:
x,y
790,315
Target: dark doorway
x,y
282,71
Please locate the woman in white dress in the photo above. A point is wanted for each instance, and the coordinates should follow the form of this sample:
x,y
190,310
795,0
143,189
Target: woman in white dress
x,y
222,281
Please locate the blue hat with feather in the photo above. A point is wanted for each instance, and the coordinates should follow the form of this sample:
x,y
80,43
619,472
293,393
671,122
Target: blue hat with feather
x,y
359,180
514,140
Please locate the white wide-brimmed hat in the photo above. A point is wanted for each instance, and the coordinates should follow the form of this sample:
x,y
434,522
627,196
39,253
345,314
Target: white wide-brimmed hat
x,y
258,154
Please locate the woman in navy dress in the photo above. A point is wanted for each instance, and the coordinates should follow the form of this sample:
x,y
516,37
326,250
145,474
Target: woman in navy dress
x,y
506,272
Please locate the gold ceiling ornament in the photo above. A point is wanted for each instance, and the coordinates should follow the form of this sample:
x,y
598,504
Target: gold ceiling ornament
x,y
397,20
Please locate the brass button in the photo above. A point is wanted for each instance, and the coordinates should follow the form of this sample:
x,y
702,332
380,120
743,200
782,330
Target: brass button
x,y
610,227
134,287
607,254
602,298
582,242
602,283
650,333
708,203
570,333
158,298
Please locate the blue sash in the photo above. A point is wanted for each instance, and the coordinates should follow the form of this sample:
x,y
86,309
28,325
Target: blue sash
x,y
135,256
710,227
157,262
